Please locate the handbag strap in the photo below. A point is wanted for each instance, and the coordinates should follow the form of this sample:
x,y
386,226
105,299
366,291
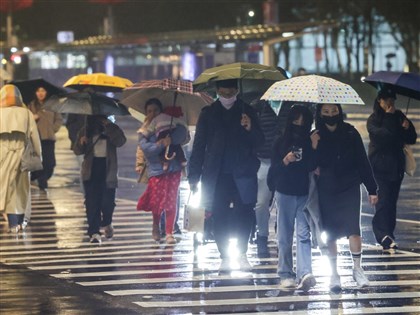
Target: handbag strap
x,y
188,199
28,134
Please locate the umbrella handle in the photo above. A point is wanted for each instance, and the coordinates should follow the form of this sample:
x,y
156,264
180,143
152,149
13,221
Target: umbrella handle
x,y
167,154
408,105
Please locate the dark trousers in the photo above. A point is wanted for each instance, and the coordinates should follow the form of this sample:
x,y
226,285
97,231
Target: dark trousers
x,y
99,200
48,163
14,219
232,218
384,220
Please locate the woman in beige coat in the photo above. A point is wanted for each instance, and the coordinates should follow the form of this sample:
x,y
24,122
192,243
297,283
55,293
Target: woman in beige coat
x,y
16,124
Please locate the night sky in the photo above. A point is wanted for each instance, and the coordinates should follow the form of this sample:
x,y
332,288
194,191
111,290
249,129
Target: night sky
x,y
45,18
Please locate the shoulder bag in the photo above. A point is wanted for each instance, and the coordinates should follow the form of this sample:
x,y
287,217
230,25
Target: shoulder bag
x,y
410,161
31,161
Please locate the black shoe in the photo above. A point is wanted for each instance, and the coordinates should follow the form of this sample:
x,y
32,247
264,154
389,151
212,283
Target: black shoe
x,y
388,245
262,247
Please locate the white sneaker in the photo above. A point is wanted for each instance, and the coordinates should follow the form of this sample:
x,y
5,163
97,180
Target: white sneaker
x,y
96,238
360,277
25,224
224,266
287,283
244,264
307,282
335,283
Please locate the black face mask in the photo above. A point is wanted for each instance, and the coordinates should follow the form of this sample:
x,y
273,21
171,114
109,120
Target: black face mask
x,y
298,131
330,120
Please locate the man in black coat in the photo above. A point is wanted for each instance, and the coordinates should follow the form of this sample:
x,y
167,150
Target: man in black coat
x,y
224,158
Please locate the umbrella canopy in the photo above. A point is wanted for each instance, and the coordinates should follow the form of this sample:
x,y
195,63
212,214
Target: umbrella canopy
x,y
85,103
404,83
253,78
28,88
313,89
99,82
170,92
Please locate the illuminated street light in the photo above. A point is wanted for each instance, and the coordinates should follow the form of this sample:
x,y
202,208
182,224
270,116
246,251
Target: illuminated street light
x,y
13,50
251,13
26,49
17,59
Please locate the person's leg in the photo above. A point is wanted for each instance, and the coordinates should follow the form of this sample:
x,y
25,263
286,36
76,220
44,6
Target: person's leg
x,y
355,244
222,213
262,210
171,184
384,220
108,205
395,190
303,240
93,199
335,281
243,215
48,163
286,213
15,220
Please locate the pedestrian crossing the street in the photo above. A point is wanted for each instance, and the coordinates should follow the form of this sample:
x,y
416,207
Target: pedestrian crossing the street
x,y
178,279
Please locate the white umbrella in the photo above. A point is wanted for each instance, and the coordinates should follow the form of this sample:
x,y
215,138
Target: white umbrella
x,y
312,89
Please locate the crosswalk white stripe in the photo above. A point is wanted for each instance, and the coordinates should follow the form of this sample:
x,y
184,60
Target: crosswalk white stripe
x,y
168,270
280,299
99,256
228,288
343,311
177,263
209,277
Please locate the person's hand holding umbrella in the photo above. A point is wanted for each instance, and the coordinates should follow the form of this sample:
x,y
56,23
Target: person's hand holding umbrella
x,y
246,122
166,142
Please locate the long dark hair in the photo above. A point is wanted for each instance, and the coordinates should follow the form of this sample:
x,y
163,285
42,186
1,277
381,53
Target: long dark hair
x,y
153,101
295,112
318,120
35,102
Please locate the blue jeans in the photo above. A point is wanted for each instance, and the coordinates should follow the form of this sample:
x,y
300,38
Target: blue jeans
x,y
289,209
262,208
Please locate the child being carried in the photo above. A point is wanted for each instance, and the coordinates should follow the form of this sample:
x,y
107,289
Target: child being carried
x,y
164,125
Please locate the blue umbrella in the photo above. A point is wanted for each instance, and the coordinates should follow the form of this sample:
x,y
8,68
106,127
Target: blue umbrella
x,y
404,83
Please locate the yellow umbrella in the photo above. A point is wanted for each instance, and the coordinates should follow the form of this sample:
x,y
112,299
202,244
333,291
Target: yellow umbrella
x,y
99,82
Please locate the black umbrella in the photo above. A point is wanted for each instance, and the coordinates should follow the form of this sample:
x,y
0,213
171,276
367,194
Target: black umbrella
x,y
404,83
85,103
28,88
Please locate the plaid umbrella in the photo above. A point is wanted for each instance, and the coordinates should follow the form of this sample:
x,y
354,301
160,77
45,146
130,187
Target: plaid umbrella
x,y
313,89
170,92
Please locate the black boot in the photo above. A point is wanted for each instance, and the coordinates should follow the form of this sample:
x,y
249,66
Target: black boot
x,y
262,248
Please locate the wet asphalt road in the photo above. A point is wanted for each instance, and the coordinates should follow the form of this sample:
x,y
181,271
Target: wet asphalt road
x,y
51,268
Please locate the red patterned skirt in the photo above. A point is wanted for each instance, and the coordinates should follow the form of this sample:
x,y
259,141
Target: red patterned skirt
x,y
161,193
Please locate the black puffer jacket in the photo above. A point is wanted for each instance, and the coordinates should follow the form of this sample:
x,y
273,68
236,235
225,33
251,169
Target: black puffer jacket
x,y
387,139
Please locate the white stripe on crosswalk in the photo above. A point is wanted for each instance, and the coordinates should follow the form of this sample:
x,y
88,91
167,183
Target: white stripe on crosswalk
x,y
279,299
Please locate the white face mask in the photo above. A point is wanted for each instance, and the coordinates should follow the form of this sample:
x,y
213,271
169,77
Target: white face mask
x,y
228,102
